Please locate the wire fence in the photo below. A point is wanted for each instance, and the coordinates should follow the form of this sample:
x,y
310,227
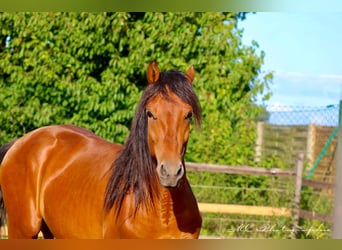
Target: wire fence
x,y
303,115
309,130
285,133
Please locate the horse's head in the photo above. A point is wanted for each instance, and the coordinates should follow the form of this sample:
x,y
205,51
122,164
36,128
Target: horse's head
x,y
156,145
169,113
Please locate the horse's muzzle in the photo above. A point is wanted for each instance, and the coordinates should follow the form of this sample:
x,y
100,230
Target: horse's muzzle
x,y
170,174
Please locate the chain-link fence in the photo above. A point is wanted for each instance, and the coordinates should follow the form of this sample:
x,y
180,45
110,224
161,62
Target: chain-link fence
x,y
309,130
313,132
303,115
286,133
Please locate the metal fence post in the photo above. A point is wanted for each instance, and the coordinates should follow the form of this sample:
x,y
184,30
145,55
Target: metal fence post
x,y
337,216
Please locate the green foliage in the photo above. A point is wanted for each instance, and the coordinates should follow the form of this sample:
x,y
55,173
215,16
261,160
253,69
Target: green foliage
x,y
61,68
89,69
320,202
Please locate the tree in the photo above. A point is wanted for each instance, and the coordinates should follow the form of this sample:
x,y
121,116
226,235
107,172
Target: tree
x,y
89,69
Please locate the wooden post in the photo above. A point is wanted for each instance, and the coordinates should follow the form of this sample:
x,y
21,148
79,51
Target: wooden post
x,y
311,142
298,187
259,141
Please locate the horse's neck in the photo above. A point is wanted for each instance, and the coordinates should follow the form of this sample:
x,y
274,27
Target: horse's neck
x,y
166,205
172,200
178,207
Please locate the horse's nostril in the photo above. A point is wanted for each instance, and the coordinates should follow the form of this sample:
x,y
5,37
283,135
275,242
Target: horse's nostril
x,y
163,170
180,170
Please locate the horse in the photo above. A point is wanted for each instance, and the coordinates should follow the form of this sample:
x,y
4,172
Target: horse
x,y
66,182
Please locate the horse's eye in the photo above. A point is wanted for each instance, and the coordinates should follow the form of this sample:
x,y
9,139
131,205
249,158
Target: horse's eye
x,y
188,116
150,115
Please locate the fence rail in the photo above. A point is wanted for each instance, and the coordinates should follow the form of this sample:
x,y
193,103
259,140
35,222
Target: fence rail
x,y
216,168
296,172
248,170
260,211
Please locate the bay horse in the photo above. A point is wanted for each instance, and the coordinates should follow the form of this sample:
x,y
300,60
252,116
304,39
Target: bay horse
x,y
66,182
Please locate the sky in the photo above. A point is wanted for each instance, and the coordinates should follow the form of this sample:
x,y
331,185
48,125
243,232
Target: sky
x,y
304,50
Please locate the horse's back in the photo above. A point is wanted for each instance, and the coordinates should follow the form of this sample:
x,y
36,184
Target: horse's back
x,y
58,171
55,148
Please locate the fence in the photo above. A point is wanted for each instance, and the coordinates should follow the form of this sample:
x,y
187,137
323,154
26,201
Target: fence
x,y
308,130
294,213
285,206
319,143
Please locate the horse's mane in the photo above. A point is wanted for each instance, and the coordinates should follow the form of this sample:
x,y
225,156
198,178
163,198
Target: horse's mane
x,y
135,169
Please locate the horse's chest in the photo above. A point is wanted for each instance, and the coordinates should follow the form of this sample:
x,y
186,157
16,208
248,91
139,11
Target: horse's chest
x,y
171,217
163,224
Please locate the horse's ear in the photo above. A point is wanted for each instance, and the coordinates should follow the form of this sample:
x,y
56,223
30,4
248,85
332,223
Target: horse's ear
x,y
153,72
190,74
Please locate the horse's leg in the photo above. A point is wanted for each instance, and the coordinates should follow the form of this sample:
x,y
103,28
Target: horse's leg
x,y
22,220
20,228
46,231
18,184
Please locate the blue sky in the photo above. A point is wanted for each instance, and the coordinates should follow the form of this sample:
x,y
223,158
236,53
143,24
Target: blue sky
x,y
304,50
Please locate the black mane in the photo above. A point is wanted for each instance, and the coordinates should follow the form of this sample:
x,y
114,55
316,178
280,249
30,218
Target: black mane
x,y
134,169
